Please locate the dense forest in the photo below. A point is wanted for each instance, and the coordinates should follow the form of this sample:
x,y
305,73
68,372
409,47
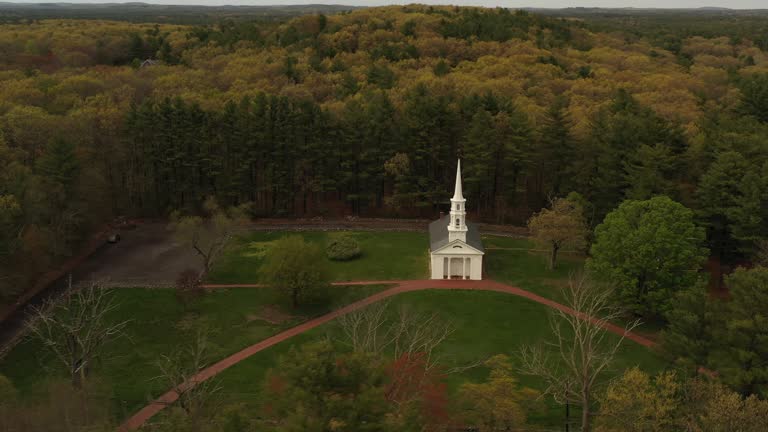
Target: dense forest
x,y
365,113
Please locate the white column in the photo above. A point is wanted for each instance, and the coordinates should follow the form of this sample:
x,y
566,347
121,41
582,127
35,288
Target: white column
x,y
437,266
468,268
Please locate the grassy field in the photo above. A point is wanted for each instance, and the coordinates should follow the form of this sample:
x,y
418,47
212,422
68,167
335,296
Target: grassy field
x,y
386,256
512,261
403,255
486,323
158,325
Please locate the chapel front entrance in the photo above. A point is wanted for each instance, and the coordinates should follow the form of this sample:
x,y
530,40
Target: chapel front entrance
x,y
457,268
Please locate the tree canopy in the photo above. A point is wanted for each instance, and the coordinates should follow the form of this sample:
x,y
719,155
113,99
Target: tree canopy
x,y
365,113
649,250
297,267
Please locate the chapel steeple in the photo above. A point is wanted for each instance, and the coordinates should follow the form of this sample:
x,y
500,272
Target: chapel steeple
x,y
457,224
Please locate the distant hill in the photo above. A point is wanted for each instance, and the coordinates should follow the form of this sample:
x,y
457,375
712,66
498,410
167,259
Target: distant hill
x,y
145,12
596,11
195,14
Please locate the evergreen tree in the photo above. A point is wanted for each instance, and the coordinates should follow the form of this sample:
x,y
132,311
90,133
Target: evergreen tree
x,y
754,96
431,136
59,164
441,68
742,353
650,171
478,156
555,151
749,223
512,158
719,199
688,337
617,133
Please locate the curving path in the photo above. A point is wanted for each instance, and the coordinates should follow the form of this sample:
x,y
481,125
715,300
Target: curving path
x,y
142,416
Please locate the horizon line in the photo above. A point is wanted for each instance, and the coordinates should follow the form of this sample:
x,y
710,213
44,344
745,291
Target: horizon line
x,y
359,5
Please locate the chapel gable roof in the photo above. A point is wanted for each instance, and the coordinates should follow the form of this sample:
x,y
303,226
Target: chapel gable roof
x,y
438,234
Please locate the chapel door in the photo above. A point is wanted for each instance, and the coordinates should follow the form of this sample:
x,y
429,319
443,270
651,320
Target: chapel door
x,y
457,268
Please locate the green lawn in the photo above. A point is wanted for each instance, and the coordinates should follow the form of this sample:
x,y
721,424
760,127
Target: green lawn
x,y
487,323
386,256
403,255
159,324
511,261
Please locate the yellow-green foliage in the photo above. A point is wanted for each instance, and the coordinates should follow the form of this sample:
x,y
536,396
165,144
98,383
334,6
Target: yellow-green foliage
x,y
65,79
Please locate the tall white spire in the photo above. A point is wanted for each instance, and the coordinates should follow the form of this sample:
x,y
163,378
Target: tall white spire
x,y
457,194
457,224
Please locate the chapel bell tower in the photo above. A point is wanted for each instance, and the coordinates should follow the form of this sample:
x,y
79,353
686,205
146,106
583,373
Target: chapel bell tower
x,y
457,224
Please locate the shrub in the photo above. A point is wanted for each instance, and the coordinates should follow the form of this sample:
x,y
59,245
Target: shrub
x,y
297,268
343,248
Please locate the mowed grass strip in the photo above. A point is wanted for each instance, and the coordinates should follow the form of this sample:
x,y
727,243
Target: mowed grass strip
x,y
385,256
159,325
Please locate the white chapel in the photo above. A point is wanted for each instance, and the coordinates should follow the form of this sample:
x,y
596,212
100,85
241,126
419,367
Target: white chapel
x,y
455,247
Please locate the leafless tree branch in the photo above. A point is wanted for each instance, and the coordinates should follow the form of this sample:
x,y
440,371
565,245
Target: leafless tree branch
x,y
581,349
76,326
179,370
373,330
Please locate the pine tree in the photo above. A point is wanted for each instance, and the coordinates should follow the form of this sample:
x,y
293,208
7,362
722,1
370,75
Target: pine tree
x,y
650,171
718,199
59,164
512,158
431,135
555,150
742,353
617,133
754,96
688,339
477,154
748,225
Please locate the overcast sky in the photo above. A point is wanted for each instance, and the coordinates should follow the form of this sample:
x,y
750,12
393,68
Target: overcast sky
x,y
734,4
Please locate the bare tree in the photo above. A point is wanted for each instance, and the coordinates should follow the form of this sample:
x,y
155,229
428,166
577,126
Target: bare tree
x,y
419,333
207,236
581,350
179,371
372,330
76,326
412,338
366,329
188,287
